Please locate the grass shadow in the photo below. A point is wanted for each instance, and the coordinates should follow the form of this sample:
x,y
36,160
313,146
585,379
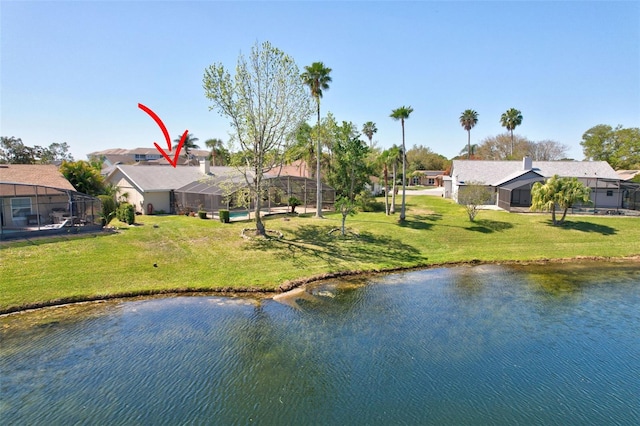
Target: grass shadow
x,y
420,221
587,227
487,226
315,241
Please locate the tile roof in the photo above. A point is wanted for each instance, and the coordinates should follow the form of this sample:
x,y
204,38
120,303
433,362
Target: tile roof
x,y
34,174
495,172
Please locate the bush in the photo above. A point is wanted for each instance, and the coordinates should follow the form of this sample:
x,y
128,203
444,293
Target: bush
x,y
294,202
367,203
202,214
108,208
126,213
224,216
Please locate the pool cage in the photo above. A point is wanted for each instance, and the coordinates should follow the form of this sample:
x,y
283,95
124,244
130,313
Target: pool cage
x,y
25,208
213,194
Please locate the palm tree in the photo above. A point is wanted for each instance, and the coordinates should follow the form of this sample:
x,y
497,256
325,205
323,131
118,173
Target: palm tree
x,y
316,76
189,143
402,114
389,158
369,128
468,120
217,148
511,119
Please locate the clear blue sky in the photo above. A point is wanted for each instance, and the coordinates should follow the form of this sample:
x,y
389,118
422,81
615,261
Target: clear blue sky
x,y
75,71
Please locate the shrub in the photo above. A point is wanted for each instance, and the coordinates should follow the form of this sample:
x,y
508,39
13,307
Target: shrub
x,y
224,216
367,203
202,214
108,208
294,202
126,213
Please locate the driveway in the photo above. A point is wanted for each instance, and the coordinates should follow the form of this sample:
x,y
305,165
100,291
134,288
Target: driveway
x,y
430,191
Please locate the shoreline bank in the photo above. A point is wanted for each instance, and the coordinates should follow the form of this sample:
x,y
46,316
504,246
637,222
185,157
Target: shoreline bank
x,y
290,284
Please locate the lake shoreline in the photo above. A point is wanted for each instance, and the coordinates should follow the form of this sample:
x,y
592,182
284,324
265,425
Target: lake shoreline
x,y
289,285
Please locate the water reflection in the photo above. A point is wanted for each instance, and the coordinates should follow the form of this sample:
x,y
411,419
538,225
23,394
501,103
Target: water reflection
x,y
470,345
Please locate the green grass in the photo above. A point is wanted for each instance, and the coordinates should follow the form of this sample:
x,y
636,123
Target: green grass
x,y
195,254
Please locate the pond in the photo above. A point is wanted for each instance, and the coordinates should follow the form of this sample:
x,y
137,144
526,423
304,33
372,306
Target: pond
x,y
488,344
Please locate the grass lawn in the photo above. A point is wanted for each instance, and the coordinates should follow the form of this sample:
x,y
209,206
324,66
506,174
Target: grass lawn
x,y
196,254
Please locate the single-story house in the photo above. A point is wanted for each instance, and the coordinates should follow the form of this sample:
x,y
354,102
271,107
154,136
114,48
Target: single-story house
x,y
510,182
426,177
152,188
38,196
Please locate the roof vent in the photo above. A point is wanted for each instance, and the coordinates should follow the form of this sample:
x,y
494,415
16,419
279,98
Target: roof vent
x,y
527,163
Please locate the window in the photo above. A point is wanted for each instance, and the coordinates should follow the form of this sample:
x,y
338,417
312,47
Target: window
x,y
20,207
609,193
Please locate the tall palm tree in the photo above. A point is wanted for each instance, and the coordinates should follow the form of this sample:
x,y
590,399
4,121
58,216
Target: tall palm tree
x,y
369,128
390,158
402,114
511,119
316,76
468,120
189,143
217,147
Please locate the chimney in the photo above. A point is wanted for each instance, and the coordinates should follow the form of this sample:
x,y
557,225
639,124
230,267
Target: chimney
x,y
527,163
204,167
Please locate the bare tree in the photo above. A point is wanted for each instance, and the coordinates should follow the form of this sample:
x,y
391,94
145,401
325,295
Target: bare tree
x,y
266,102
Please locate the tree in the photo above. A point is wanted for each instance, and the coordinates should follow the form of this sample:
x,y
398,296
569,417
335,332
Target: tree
x,y
511,119
13,151
346,207
189,144
316,77
558,192
420,157
218,154
350,171
473,195
84,176
385,160
55,152
547,150
368,129
266,103
402,114
619,147
501,147
395,156
468,120
468,151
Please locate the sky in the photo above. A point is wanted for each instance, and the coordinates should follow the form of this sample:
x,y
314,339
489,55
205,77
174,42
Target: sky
x,y
75,72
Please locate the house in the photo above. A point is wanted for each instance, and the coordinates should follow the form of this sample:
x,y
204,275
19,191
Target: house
x,y
115,156
149,188
510,182
153,188
36,196
427,177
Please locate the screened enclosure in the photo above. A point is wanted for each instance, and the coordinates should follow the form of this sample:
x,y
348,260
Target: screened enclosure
x,y
26,207
231,192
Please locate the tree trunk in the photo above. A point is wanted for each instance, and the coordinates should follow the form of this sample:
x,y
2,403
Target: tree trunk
x,y
393,190
386,190
260,230
318,179
468,144
404,176
344,220
564,214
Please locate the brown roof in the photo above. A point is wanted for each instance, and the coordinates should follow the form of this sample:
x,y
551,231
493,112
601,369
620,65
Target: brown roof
x,y
34,174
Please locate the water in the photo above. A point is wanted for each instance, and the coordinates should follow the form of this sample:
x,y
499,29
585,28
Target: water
x,y
555,344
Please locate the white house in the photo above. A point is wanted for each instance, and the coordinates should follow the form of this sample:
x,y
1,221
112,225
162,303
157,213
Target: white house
x,y
510,181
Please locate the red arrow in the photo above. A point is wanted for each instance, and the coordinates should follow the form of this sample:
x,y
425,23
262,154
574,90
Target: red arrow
x,y
173,161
